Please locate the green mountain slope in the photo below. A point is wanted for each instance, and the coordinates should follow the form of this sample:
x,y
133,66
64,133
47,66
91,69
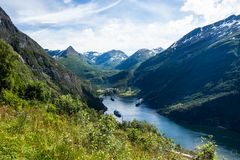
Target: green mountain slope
x,y
197,79
43,67
136,59
79,65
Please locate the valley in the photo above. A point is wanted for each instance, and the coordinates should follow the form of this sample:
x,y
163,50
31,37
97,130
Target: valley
x,y
186,135
151,103
192,81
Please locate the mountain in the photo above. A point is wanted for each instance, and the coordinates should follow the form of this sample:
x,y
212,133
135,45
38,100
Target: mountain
x,y
80,65
111,59
91,56
53,53
158,50
92,59
197,79
69,51
42,67
137,58
64,53
210,33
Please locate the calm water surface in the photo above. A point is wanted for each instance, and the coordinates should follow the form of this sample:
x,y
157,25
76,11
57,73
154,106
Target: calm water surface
x,y
187,136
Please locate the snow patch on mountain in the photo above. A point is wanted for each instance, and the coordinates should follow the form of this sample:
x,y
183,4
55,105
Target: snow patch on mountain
x,y
213,31
91,56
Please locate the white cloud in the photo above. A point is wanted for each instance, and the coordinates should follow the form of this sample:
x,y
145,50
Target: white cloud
x,y
43,12
212,10
159,9
116,34
72,14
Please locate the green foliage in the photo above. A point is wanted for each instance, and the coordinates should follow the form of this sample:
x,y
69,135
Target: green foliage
x,y
66,104
7,66
207,151
101,138
12,78
212,67
143,126
20,123
51,108
138,132
13,100
36,133
78,65
33,63
36,91
120,79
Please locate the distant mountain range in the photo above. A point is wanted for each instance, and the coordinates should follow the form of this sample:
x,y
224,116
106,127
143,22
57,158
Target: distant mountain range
x,y
58,53
97,67
197,79
82,65
114,59
107,60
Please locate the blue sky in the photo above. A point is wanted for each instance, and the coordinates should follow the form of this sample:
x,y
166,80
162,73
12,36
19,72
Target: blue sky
x,y
101,25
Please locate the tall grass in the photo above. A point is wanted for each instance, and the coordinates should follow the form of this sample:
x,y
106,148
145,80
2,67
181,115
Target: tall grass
x,y
34,133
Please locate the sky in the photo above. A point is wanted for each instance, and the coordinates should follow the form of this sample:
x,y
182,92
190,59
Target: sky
x,y
102,25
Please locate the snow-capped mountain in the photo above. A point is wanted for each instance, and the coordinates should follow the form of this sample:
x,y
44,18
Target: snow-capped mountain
x,y
108,59
210,32
53,53
62,53
137,58
111,58
157,50
91,56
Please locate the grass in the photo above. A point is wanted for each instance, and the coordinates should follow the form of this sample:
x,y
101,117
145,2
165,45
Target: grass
x,y
34,133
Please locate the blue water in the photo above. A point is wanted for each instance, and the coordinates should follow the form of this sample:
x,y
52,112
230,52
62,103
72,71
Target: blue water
x,y
187,136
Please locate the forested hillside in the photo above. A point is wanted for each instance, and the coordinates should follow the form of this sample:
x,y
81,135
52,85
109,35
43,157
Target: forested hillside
x,y
197,79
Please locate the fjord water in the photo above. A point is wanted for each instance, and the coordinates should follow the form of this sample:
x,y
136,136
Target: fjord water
x,y
228,143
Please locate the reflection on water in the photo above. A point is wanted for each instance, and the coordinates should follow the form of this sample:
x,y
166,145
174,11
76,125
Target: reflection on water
x,y
188,136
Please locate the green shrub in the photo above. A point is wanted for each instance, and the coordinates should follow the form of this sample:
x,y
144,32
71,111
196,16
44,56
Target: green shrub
x,y
101,137
11,99
207,151
36,91
66,104
51,108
